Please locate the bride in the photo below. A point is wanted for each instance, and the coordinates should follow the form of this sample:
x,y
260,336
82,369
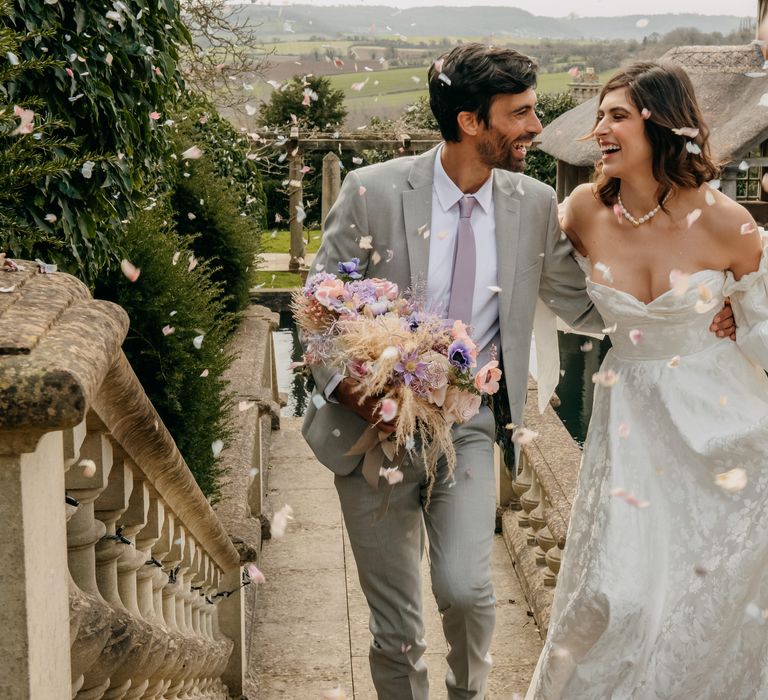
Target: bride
x,y
663,591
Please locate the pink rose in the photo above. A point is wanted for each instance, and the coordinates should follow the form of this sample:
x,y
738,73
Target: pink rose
x,y
460,405
459,331
386,289
487,378
330,293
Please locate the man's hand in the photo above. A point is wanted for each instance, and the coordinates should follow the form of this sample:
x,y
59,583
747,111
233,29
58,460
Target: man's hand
x,y
723,324
368,410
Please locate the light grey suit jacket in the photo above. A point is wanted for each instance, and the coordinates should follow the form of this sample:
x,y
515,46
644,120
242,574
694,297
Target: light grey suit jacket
x,y
533,260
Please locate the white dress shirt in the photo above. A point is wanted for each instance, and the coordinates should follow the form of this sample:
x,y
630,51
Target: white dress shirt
x,y
442,248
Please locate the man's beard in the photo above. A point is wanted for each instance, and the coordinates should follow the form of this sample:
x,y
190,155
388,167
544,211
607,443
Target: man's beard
x,y
497,152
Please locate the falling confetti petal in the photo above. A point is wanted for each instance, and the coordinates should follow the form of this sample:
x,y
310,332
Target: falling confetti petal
x,y
674,362
723,400
495,289
646,113
623,430
154,116
692,217
630,498
216,447
444,78
7,290
709,198
635,336
300,213
641,23
732,480
747,229
606,378
336,432
604,270
586,347
51,218
204,373
197,341
280,521
692,147
392,474
680,281
611,329
87,169
254,574
192,263
318,401
700,570
250,110
361,190
574,72
524,436
389,353
168,330
88,466
376,258
366,242
192,153
688,131
388,410
618,213
130,270
336,693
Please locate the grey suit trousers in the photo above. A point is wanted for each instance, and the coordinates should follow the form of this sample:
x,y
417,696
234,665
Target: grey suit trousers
x,y
459,524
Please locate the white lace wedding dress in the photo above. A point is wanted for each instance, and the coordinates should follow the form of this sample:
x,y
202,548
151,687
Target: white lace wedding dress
x,y
663,591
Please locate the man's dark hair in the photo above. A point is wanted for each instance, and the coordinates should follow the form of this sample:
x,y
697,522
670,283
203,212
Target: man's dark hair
x,y
469,77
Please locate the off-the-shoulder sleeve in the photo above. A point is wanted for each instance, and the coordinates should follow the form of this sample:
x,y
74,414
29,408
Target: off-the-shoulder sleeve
x,y
749,299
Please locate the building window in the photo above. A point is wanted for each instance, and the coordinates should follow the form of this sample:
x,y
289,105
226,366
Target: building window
x,y
748,182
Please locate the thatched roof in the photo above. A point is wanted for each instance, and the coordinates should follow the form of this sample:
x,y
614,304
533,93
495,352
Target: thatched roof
x,y
728,97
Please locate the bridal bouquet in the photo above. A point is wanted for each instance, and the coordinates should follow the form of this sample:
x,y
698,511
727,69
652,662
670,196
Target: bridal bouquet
x,y
416,363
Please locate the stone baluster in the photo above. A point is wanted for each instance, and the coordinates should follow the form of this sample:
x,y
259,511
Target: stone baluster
x,y
145,540
529,501
83,532
552,559
110,506
521,484
173,613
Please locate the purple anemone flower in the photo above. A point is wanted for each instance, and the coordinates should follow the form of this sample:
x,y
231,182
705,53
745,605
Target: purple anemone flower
x,y
459,355
410,367
350,268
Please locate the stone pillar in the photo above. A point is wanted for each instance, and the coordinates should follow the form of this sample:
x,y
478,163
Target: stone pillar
x,y
34,616
331,184
295,202
231,614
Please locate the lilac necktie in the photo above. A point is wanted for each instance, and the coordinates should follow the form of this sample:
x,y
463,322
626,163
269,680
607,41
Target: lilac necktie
x,y
464,262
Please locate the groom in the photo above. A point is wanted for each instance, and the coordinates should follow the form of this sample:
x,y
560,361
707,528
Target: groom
x,y
406,220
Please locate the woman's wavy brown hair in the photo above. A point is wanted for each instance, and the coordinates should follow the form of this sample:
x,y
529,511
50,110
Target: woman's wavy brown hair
x,y
666,91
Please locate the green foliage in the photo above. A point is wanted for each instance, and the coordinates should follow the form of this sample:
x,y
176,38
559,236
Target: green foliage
x,y
101,80
539,164
327,111
419,115
205,204
199,124
194,408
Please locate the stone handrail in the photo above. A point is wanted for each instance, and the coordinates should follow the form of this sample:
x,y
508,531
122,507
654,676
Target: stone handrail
x,y
129,587
540,495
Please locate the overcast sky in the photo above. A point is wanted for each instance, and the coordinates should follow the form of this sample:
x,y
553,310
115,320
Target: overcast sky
x,y
561,8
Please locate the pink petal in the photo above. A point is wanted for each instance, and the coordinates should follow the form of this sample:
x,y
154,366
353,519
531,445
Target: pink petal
x,y
692,217
254,574
635,336
388,410
130,270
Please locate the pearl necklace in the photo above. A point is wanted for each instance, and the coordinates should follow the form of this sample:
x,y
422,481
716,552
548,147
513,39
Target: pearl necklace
x,y
647,217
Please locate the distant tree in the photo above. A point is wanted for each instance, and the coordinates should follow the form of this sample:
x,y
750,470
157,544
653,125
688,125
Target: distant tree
x,y
313,101
541,165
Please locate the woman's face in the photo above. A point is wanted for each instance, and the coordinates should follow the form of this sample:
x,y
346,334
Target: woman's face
x,y
620,134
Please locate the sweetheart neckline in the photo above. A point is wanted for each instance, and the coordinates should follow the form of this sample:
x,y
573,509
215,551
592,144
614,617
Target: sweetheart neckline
x,y
655,299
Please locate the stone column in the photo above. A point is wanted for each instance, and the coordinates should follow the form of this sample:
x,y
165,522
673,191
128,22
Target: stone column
x,y
295,202
231,615
34,616
331,184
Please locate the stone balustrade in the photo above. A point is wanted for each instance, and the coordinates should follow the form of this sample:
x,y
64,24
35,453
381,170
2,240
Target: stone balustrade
x,y
119,580
539,496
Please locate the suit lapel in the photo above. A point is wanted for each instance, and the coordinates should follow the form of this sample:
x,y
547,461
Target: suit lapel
x,y
417,215
507,216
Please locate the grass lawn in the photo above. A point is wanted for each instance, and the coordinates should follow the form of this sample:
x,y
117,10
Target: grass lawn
x,y
277,280
280,242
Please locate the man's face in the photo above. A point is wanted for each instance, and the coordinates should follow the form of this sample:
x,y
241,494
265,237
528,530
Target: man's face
x,y
512,126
